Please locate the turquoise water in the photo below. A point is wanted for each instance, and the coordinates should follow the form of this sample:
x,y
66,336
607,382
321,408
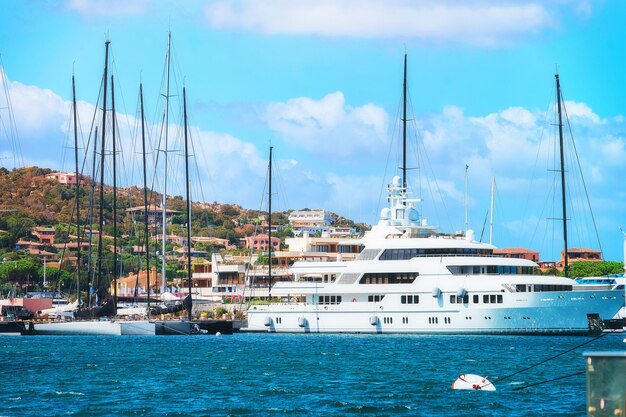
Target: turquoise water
x,y
307,375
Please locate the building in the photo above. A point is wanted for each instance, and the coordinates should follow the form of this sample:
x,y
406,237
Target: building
x,y
518,253
580,254
311,221
45,235
261,242
324,248
67,178
155,213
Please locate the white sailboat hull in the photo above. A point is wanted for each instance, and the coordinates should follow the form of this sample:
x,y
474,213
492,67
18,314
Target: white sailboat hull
x,y
96,328
79,328
138,328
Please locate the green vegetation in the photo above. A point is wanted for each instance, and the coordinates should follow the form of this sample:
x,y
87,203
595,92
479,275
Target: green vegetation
x,y
29,200
594,269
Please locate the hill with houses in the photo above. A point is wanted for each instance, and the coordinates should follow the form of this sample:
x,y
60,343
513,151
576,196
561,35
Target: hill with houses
x,y
38,225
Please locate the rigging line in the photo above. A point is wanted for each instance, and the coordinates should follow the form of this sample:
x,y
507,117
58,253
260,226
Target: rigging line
x,y
554,357
256,228
593,219
15,144
546,381
532,188
384,176
419,140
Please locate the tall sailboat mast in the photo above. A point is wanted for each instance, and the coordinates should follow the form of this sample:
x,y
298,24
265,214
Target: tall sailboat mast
x,y
189,272
145,195
90,270
114,199
493,185
404,127
565,254
164,200
77,173
102,149
269,222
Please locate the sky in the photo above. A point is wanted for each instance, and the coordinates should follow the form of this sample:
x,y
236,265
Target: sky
x,y
321,82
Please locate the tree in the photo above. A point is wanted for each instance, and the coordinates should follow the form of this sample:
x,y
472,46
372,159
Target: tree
x,y
592,269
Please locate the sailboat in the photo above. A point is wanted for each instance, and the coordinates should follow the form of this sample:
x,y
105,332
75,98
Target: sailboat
x,y
174,327
94,323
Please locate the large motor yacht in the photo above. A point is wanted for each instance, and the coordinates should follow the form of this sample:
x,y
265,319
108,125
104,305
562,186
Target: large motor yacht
x,y
410,279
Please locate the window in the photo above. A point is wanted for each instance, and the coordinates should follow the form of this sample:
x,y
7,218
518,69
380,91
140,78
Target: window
x,y
375,298
408,253
329,299
476,298
455,299
389,278
409,299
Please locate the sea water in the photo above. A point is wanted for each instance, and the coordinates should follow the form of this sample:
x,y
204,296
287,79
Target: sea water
x,y
293,375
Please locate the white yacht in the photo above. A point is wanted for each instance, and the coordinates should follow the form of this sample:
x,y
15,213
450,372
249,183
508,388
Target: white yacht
x,y
409,279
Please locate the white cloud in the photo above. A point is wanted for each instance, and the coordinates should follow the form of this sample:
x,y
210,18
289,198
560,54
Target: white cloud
x,y
107,8
581,111
475,22
329,126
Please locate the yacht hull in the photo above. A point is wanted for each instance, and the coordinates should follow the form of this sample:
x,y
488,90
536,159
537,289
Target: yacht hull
x,y
525,313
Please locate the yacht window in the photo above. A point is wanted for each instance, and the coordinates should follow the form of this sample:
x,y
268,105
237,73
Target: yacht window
x,y
410,299
455,299
485,298
388,278
408,253
475,298
368,254
499,298
329,299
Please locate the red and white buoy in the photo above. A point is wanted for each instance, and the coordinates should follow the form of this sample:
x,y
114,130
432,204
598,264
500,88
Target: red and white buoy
x,y
473,382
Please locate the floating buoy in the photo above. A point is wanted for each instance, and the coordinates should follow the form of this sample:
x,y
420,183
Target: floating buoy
x,y
218,334
473,382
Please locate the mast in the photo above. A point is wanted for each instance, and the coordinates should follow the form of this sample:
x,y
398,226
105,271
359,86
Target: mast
x,y
164,197
493,185
114,201
77,193
188,204
465,198
404,128
145,196
269,228
91,198
565,254
104,119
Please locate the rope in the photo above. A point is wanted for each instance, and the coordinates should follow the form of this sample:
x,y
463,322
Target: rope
x,y
551,358
549,380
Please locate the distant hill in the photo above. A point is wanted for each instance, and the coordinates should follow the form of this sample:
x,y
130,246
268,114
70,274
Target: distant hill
x,y
28,199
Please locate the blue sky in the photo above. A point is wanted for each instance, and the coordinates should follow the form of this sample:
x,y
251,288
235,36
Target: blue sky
x,y
322,80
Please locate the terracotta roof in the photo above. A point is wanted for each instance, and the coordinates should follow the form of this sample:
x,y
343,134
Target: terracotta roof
x,y
514,250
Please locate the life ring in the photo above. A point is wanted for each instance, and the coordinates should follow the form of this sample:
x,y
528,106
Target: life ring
x,y
354,300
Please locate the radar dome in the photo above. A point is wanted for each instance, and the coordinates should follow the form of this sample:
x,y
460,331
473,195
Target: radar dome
x,y
396,181
385,213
